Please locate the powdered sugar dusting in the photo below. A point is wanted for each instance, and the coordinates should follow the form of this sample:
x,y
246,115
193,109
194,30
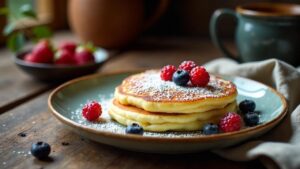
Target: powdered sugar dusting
x,y
106,124
151,84
158,90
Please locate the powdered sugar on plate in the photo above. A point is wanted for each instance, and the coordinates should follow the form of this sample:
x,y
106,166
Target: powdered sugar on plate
x,y
151,84
106,124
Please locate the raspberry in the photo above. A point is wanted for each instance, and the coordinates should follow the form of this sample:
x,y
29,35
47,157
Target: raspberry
x,y
230,122
92,110
167,72
187,65
199,76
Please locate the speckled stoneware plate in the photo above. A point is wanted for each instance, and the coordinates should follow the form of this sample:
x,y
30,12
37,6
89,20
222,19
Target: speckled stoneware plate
x,y
66,101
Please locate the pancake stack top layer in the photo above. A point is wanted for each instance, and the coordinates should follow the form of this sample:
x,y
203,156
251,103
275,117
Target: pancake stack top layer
x,y
148,92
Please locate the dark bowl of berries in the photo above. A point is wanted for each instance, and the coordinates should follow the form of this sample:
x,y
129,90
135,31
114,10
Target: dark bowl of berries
x,y
48,64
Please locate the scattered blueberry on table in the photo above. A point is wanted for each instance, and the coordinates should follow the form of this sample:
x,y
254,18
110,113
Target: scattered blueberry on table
x,y
40,150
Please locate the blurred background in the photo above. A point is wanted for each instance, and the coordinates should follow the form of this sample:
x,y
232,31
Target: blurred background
x,y
188,18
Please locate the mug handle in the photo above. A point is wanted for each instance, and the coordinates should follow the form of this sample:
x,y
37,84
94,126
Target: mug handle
x,y
160,9
214,30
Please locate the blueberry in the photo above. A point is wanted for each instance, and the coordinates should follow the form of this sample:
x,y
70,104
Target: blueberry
x,y
134,128
257,112
251,119
210,128
181,77
247,106
40,150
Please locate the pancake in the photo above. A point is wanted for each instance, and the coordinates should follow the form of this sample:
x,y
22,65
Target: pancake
x,y
160,122
147,91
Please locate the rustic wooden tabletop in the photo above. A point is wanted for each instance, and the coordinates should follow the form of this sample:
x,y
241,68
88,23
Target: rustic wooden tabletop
x,y
23,109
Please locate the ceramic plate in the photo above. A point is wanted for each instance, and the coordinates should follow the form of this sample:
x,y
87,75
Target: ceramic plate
x,y
66,101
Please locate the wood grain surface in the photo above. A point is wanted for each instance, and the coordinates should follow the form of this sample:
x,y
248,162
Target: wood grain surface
x,y
31,118
15,85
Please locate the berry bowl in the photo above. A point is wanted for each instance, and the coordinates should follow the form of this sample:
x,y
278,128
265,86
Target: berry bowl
x,y
58,73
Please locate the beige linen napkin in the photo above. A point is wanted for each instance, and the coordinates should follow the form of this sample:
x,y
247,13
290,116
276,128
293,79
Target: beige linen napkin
x,y
281,146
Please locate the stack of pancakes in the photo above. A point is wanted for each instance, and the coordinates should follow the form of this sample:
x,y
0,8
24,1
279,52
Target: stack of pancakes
x,y
159,105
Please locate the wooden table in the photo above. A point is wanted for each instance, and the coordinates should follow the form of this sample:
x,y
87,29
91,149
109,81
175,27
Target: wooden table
x,y
23,109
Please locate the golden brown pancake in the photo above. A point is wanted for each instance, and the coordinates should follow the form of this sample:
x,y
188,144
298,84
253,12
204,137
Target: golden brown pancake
x,y
160,122
147,91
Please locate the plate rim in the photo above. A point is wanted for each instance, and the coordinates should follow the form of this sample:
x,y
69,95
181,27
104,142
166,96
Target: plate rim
x,y
132,137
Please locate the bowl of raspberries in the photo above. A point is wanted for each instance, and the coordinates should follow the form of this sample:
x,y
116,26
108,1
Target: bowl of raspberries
x,y
47,63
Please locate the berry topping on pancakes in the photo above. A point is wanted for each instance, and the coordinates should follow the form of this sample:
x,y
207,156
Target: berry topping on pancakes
x,y
199,76
181,77
187,65
167,72
187,71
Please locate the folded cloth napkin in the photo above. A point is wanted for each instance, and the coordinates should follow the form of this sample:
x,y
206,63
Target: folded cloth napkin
x,y
279,148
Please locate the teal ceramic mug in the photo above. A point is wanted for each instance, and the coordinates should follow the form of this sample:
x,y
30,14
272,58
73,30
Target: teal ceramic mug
x,y
264,30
